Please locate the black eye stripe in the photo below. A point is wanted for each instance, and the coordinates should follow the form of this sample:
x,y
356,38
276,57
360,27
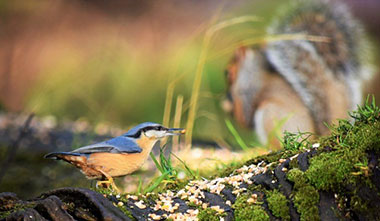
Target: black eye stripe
x,y
145,129
153,128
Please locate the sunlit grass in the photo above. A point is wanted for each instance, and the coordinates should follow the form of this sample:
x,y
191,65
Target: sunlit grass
x,y
200,68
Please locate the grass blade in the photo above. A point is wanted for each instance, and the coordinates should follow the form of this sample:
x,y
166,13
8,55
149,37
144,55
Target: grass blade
x,y
236,135
177,121
159,167
156,182
184,164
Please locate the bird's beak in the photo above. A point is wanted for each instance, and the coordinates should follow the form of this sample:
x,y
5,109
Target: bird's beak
x,y
175,131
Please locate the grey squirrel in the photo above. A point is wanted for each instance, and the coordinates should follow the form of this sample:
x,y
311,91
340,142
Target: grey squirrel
x,y
308,83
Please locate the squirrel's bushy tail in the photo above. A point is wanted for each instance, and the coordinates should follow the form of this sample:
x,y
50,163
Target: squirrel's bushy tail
x,y
307,65
347,50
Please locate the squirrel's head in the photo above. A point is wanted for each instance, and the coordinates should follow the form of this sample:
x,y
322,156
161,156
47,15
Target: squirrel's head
x,y
244,76
231,74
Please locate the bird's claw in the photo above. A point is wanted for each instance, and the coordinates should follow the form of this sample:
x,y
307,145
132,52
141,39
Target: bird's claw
x,y
108,183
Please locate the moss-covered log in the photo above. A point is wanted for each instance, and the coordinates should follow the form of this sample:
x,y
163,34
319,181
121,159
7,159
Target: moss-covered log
x,y
333,178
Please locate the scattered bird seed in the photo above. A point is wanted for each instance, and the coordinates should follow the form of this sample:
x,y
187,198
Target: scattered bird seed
x,y
140,204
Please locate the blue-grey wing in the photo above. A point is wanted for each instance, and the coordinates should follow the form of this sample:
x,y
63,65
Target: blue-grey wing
x,y
119,144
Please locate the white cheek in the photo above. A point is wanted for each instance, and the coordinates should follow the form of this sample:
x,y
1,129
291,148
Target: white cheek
x,y
153,133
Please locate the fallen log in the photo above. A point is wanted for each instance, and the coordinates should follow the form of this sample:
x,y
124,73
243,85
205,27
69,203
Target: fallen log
x,y
333,178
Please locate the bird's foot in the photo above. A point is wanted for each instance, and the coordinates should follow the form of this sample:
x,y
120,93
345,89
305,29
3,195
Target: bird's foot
x,y
107,184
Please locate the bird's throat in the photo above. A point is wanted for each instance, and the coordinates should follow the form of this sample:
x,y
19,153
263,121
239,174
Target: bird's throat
x,y
146,143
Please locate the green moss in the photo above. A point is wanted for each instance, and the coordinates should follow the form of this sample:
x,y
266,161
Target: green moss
x,y
192,205
254,213
340,167
209,214
278,204
294,163
297,177
271,157
306,200
347,164
254,187
124,209
176,185
127,212
16,207
350,144
328,170
104,191
368,207
5,214
248,211
358,204
305,196
152,197
229,170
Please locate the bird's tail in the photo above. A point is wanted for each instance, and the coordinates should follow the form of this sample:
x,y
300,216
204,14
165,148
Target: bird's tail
x,y
60,155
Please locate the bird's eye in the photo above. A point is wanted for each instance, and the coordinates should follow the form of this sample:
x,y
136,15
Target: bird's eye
x,y
160,128
147,129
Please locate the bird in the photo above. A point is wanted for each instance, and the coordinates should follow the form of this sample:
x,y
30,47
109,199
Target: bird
x,y
117,156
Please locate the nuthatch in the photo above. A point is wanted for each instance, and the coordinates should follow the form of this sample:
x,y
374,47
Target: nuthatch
x,y
118,156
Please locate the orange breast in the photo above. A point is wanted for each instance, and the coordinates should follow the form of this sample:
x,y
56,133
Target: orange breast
x,y
117,164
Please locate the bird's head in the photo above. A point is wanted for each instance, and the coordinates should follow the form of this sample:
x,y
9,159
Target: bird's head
x,y
153,131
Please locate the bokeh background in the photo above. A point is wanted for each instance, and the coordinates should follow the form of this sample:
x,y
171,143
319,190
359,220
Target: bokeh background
x,y
111,63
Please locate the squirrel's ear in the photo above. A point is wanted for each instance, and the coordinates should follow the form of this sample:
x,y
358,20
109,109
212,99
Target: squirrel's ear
x,y
240,51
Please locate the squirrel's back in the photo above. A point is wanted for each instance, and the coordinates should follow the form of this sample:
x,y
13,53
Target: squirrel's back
x,y
326,76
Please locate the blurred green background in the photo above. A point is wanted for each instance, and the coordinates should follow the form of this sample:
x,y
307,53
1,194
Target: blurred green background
x,y
113,61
